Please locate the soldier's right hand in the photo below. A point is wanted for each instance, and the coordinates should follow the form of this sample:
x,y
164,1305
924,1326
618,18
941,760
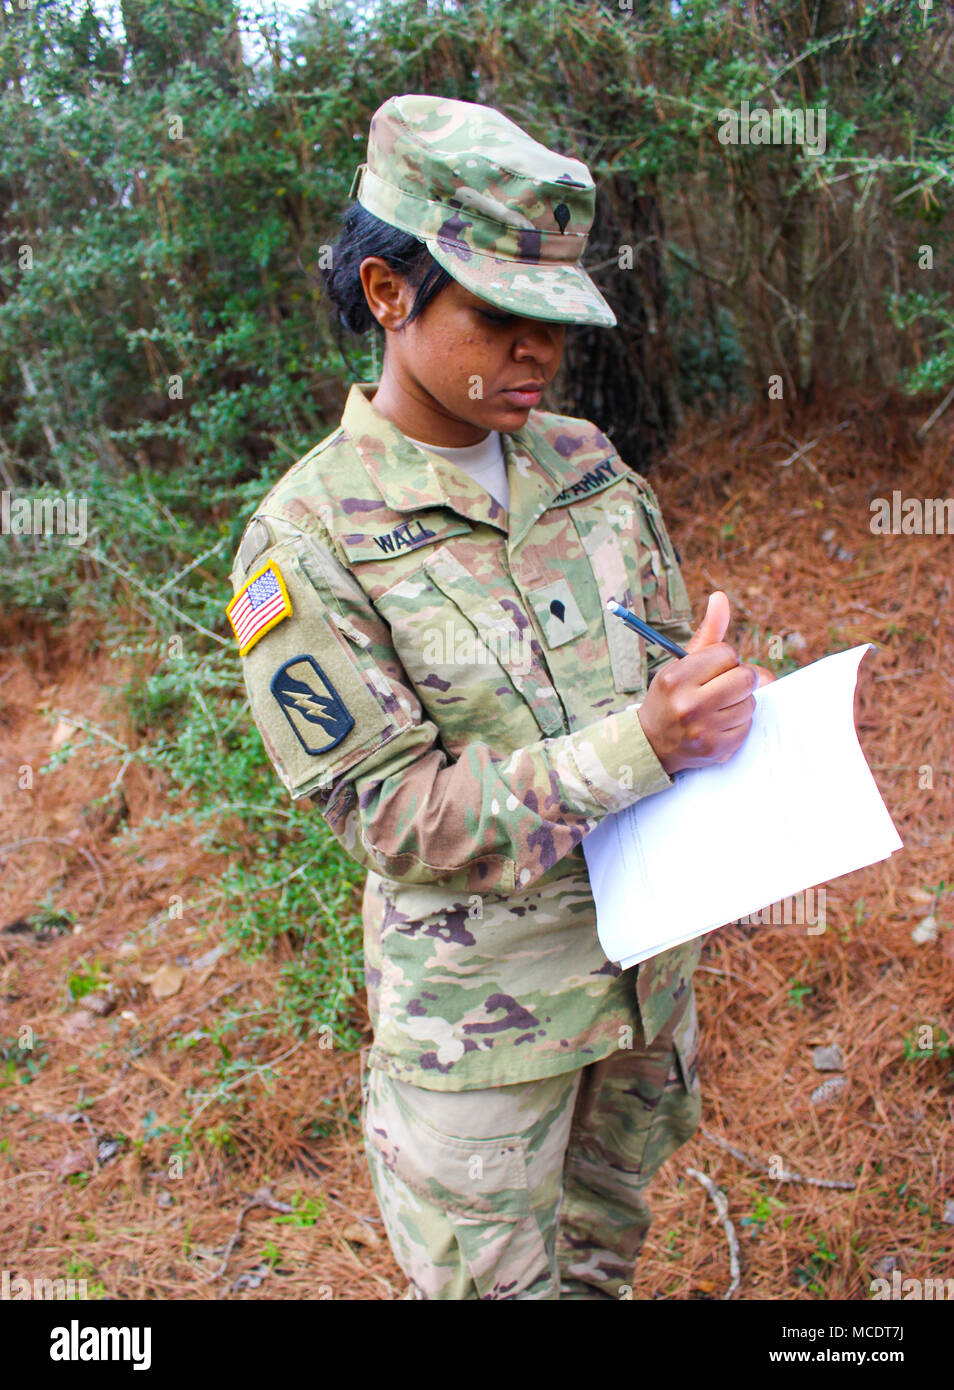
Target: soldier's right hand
x,y
699,708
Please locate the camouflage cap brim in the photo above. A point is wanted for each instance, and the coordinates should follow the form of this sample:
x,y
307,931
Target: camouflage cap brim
x,y
560,293
507,217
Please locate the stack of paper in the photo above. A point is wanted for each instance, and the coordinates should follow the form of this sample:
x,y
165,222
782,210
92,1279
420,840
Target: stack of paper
x,y
794,807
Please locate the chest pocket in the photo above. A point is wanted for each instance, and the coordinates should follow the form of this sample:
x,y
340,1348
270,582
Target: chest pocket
x,y
472,657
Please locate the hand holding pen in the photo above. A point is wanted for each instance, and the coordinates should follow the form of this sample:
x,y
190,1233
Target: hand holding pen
x,y
699,709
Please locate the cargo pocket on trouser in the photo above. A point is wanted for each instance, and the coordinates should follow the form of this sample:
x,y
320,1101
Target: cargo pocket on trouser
x,y
458,1211
635,1109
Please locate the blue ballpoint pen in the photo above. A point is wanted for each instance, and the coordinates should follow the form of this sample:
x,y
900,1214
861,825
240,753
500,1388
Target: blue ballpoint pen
x,y
637,624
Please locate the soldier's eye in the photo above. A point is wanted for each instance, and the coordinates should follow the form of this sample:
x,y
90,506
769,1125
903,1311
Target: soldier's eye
x,y
495,318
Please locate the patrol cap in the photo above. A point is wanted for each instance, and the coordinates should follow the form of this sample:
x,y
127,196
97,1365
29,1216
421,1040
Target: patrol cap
x,y
503,215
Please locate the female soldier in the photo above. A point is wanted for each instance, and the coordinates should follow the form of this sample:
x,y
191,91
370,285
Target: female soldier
x,y
420,610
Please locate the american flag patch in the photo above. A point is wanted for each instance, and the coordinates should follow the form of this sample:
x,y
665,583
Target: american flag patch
x,y
261,602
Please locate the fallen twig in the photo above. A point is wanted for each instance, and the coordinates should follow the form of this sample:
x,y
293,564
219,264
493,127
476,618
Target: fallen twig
x,y
784,463
935,414
722,1207
262,1198
181,1018
785,1176
56,840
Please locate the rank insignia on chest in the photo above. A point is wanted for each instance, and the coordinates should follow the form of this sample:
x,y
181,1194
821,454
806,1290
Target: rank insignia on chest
x,y
311,704
261,602
557,612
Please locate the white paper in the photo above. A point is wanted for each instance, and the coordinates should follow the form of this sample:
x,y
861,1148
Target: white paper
x,y
795,806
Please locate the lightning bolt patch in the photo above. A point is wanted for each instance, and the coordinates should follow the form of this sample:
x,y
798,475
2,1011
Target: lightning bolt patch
x,y
311,704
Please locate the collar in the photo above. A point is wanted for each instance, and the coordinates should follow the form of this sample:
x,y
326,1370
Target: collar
x,y
411,478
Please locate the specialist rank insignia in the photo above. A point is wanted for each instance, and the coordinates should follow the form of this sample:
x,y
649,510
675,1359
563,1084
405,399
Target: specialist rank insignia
x,y
311,704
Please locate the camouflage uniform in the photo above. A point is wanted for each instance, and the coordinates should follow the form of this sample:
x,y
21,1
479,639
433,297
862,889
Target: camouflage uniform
x,y
530,1190
441,678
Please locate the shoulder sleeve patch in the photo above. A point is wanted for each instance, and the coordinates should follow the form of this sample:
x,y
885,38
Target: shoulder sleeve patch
x,y
260,604
312,706
318,697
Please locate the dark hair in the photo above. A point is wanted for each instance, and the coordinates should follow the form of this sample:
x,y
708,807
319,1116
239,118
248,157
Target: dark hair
x,y
364,235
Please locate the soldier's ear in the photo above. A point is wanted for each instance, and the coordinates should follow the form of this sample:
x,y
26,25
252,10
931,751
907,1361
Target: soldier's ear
x,y
388,292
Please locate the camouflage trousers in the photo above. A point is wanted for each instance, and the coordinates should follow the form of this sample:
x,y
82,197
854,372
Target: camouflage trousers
x,y
534,1190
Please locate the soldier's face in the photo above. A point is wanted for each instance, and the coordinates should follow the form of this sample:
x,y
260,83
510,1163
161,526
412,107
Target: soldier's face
x,y
461,363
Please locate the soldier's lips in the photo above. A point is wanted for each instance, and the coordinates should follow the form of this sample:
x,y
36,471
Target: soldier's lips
x,y
524,398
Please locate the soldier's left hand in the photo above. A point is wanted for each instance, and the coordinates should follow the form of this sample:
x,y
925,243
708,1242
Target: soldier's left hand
x,y
765,675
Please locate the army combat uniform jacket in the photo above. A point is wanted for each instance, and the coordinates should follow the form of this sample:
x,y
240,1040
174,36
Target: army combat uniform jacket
x,y
442,680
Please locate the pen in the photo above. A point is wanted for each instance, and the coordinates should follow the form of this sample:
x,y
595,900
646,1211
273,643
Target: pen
x,y
637,624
